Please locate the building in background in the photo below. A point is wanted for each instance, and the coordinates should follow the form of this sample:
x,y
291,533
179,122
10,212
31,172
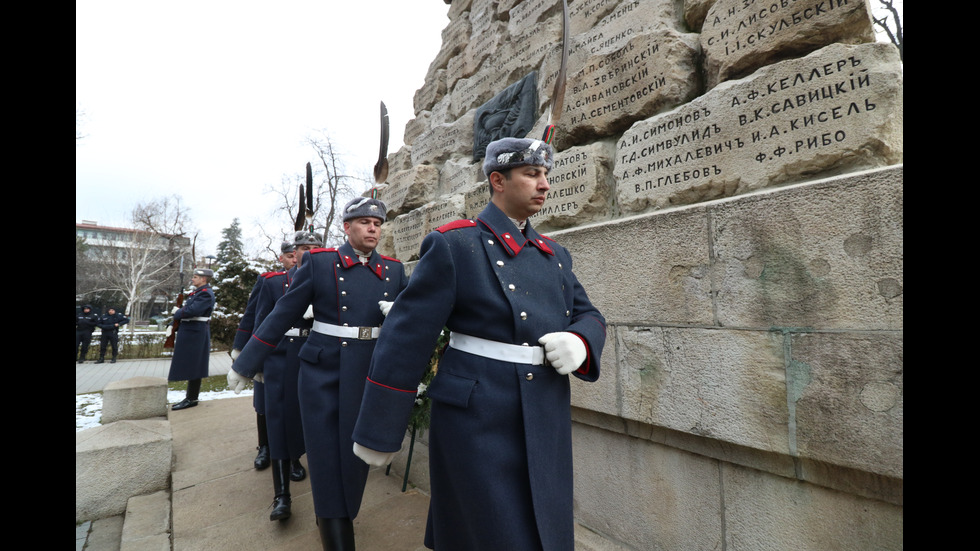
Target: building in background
x,y
136,271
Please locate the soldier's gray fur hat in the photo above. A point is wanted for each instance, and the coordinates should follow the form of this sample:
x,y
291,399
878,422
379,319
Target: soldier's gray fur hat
x,y
307,238
287,247
204,272
365,206
508,153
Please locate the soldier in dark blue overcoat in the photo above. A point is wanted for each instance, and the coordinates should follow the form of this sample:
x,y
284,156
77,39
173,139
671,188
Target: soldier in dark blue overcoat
x,y
281,381
242,334
345,286
500,448
192,346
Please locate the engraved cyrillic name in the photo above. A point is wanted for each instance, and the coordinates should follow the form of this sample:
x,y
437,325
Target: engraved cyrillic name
x,y
408,231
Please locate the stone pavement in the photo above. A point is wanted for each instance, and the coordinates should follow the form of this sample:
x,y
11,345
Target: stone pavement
x,y
220,502
93,377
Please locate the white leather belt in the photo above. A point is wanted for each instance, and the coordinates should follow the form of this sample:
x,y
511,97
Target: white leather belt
x,y
361,333
196,319
532,355
297,332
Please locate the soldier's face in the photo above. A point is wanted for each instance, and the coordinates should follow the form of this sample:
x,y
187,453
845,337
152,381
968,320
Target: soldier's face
x,y
298,255
363,233
288,259
197,280
522,192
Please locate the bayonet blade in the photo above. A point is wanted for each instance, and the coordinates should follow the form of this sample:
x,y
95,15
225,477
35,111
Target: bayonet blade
x,y
558,95
381,167
308,207
300,211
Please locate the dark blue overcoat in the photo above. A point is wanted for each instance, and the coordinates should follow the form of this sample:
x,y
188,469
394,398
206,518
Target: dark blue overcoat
x,y
500,450
283,422
192,345
343,291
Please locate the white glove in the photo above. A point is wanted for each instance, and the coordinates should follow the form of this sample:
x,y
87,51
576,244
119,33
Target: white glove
x,y
170,330
309,313
174,311
259,378
565,351
236,382
234,354
371,457
385,306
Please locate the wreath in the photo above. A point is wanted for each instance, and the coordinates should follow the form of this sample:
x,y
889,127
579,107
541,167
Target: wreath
x,y
421,414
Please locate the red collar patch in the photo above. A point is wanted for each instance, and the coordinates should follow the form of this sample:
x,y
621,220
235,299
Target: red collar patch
x,y
466,223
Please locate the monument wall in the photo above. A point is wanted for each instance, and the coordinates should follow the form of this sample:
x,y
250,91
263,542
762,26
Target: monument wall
x,y
729,180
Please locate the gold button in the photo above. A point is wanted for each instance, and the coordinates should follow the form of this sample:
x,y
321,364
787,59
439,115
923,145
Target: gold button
x,y
559,265
343,293
523,315
500,263
343,343
340,278
567,313
344,308
529,376
511,287
506,236
490,241
386,293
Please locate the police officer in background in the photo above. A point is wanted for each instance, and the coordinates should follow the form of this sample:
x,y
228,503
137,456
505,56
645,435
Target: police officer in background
x,y
85,323
500,442
345,286
192,346
110,324
244,332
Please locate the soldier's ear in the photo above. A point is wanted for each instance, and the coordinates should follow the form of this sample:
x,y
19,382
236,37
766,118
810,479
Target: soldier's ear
x,y
496,181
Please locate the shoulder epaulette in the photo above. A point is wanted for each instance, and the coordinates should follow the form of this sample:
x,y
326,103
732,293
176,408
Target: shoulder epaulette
x,y
546,237
390,258
466,223
267,275
322,250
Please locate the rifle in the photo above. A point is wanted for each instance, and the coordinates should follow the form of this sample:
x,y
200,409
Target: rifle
x,y
169,343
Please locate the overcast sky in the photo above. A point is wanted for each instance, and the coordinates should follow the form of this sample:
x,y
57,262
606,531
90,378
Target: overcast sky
x,y
212,100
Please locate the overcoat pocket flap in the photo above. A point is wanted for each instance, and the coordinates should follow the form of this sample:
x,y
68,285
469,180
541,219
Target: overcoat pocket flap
x,y
451,389
310,353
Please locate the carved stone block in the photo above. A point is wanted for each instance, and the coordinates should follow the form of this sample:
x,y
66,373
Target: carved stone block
x,y
835,109
579,191
610,91
738,37
443,140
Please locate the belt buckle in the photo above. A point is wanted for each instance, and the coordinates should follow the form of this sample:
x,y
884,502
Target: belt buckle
x,y
364,333
304,332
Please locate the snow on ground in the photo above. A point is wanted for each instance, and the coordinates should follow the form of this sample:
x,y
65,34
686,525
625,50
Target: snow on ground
x,y
88,407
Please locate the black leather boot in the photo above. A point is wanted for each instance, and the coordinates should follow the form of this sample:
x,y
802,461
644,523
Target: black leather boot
x,y
336,534
262,459
282,504
297,472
